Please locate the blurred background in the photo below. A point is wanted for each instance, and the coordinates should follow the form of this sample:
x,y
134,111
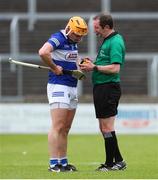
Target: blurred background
x,y
25,25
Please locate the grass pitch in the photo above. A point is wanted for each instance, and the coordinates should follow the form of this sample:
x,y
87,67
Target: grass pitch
x,y
26,157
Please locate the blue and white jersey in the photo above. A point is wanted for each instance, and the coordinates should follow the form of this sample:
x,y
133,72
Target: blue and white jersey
x,y
65,54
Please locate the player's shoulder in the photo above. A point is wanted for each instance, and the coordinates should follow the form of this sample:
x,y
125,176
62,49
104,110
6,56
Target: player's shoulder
x,y
57,39
59,35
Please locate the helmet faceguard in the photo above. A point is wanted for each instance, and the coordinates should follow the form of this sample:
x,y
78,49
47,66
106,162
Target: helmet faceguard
x,y
77,25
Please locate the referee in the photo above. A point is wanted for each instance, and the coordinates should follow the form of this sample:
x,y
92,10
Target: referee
x,y
106,87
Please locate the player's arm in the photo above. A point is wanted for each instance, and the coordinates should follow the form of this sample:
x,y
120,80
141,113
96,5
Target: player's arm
x,y
45,54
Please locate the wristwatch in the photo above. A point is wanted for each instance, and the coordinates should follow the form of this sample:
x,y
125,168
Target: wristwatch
x,y
95,68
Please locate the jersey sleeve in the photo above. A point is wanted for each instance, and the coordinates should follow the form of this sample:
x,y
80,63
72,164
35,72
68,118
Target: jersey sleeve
x,y
117,53
54,40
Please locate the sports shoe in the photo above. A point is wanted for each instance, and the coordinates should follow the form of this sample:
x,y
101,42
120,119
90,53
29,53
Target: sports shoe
x,y
68,168
56,168
119,166
104,167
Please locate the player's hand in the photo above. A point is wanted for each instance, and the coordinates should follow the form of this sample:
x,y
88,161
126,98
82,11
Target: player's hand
x,y
58,70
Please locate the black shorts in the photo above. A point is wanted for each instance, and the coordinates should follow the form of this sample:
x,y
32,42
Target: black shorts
x,y
106,98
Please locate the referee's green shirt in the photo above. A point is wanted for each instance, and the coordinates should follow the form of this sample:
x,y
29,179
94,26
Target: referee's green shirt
x,y
111,51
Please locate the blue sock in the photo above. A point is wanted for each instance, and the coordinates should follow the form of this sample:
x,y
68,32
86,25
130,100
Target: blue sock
x,y
63,161
53,162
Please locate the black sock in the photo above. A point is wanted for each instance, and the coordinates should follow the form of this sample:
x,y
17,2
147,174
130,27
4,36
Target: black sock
x,y
109,148
117,154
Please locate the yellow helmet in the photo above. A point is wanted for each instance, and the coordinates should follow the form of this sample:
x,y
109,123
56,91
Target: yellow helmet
x,y
77,25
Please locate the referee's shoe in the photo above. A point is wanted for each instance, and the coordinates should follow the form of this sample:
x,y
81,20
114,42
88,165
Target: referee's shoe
x,y
119,166
104,167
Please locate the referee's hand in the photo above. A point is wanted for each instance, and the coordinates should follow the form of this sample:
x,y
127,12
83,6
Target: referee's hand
x,y
88,66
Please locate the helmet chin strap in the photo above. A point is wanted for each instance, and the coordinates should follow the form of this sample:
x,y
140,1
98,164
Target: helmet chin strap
x,y
67,33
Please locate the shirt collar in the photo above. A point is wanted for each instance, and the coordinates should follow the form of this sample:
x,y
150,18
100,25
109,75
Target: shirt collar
x,y
63,32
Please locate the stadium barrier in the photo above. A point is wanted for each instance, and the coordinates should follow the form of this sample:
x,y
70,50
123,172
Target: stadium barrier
x,y
35,118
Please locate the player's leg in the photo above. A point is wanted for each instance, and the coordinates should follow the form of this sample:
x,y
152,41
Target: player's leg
x,y
58,134
63,153
67,126
54,138
62,117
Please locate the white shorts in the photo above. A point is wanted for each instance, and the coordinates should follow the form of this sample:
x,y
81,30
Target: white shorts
x,y
61,96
